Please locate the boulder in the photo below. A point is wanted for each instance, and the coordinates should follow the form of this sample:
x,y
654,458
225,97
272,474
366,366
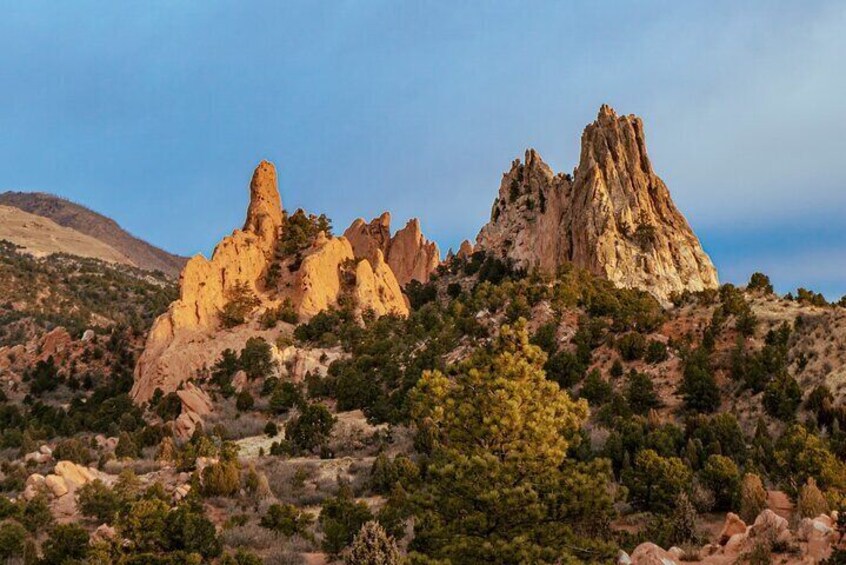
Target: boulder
x,y
733,525
57,485
650,554
768,526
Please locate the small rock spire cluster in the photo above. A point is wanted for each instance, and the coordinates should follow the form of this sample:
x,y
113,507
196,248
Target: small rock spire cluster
x,y
410,255
189,336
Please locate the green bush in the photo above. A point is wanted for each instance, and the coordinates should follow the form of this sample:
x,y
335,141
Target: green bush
x,y
722,477
222,478
285,396
244,401
73,450
96,500
640,393
565,368
311,428
256,358
12,539
240,302
656,352
286,519
655,482
68,543
341,517
187,529
631,346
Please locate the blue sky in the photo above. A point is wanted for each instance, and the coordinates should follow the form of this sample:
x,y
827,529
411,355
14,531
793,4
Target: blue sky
x,y
155,113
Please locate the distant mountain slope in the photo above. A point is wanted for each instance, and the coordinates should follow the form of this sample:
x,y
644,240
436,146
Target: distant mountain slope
x,y
68,214
41,236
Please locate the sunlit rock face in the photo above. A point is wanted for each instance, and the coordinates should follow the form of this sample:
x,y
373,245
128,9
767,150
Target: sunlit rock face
x,y
614,216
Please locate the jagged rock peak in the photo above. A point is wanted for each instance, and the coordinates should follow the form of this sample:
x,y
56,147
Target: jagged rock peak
x,y
408,253
614,216
264,214
190,334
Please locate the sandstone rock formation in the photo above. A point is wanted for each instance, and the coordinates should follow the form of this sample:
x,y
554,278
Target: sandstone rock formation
x,y
189,336
409,255
811,542
465,250
613,217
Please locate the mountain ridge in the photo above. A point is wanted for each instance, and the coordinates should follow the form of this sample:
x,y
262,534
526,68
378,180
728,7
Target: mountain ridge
x,y
69,214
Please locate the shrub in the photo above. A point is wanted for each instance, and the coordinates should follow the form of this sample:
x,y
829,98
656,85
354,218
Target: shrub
x,y
299,232
271,429
721,475
285,396
240,301
372,546
386,473
811,502
244,401
67,543
35,515
144,525
545,337
73,450
242,557
640,393
310,428
222,478
187,529
565,369
12,539
683,521
595,389
286,519
656,352
753,497
126,446
760,282
98,501
169,407
698,386
341,517
632,346
655,482
782,397
256,358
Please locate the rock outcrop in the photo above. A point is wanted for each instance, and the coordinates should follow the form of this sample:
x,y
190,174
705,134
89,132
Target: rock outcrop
x,y
189,336
613,216
409,255
811,542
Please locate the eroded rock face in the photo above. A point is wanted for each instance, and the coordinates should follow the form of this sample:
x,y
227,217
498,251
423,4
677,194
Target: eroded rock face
x,y
409,255
613,217
189,337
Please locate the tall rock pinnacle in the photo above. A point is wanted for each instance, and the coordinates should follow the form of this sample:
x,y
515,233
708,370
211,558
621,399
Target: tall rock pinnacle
x,y
613,217
264,214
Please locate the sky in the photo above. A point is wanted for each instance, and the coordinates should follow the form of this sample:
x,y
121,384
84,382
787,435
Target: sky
x,y
156,112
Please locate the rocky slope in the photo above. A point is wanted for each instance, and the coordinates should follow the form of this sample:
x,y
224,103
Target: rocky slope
x,y
614,216
190,336
410,255
41,236
96,226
